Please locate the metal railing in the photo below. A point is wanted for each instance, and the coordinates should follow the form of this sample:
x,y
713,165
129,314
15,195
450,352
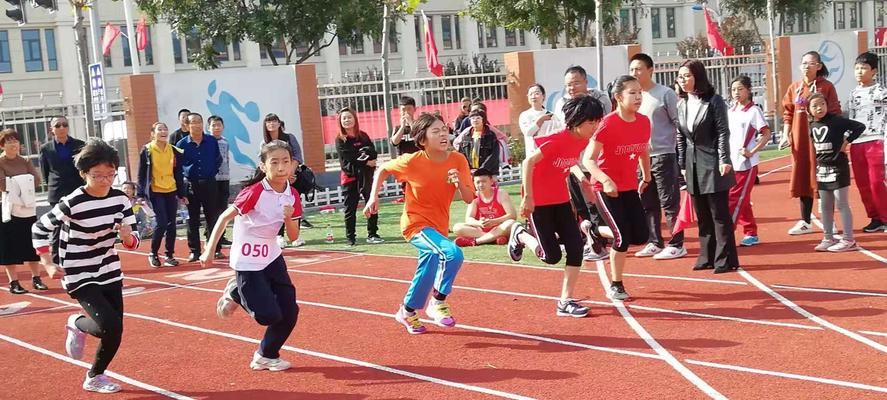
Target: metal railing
x,y
721,71
881,51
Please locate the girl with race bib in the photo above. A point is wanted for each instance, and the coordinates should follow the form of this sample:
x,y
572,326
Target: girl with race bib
x,y
261,284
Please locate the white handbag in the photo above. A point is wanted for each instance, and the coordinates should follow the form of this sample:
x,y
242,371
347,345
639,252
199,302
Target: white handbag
x,y
20,197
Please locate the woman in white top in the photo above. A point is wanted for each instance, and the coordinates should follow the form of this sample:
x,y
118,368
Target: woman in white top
x,y
535,121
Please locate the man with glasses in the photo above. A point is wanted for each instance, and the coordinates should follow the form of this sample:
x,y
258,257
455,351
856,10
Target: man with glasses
x,y
201,160
57,167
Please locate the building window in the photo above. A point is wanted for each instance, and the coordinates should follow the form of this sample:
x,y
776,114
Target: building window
x,y
457,28
221,47
522,38
51,59
855,21
446,32
654,23
624,20
236,48
277,49
357,46
192,46
147,59
839,16
5,61
492,37
670,28
480,35
33,53
796,23
176,48
510,38
417,23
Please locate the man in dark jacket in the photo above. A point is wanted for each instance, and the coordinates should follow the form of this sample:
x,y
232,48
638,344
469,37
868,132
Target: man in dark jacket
x,y
57,167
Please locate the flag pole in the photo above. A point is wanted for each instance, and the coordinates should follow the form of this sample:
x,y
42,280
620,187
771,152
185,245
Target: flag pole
x,y
599,42
131,38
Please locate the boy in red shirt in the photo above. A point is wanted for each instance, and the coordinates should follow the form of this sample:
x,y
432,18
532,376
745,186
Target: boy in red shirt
x,y
489,217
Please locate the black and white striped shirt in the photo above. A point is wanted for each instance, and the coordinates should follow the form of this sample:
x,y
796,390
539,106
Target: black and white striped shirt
x,y
87,236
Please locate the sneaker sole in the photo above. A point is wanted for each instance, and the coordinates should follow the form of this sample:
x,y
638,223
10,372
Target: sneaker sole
x,y
516,253
260,367
681,255
566,314
103,391
807,232
404,324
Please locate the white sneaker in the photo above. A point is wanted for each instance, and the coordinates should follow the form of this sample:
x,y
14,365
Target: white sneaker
x,y
617,293
588,254
801,228
271,364
843,245
670,252
281,241
650,250
440,312
76,338
100,384
226,304
299,242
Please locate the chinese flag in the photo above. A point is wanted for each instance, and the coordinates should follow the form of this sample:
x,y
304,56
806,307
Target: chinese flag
x,y
431,59
111,33
142,35
881,36
715,40
686,216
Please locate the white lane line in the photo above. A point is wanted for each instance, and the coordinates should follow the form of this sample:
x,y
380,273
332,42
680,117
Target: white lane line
x,y
827,381
564,342
682,278
862,250
69,360
774,170
798,309
665,354
873,333
19,314
835,291
311,353
725,318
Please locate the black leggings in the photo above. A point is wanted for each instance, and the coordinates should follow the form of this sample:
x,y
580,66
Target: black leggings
x,y
361,186
103,305
553,222
806,208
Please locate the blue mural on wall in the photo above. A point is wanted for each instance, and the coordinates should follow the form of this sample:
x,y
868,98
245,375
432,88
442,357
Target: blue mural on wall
x,y
229,108
833,57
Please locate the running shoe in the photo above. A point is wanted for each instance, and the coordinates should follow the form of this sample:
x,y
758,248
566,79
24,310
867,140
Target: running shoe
x,y
825,244
281,242
440,313
650,250
410,322
588,254
617,293
670,253
463,241
170,261
801,228
38,283
375,239
154,261
16,288
875,226
271,364
76,338
749,241
224,242
515,247
571,308
598,244
299,242
193,257
843,245
100,384
226,304
304,223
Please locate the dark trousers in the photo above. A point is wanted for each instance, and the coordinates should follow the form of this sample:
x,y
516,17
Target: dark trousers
x,y
353,191
224,189
717,244
202,195
555,223
165,206
270,298
663,194
103,305
54,240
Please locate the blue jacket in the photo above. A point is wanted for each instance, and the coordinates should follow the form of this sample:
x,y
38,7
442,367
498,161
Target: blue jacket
x,y
145,178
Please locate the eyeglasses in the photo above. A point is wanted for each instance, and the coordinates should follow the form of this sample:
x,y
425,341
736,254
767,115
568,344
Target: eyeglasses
x,y
809,64
685,77
106,178
61,125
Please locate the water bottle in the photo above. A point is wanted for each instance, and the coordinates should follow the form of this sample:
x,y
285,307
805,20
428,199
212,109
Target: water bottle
x,y
329,237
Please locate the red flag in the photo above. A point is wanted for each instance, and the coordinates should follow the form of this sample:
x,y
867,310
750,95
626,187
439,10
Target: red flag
x,y
142,35
686,216
881,36
715,40
431,59
111,33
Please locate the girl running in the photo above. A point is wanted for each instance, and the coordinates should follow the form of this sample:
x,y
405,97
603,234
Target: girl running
x,y
546,199
91,219
261,284
431,177
620,145
746,121
832,135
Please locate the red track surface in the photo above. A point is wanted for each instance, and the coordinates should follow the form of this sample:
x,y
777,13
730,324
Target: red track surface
x,y
724,332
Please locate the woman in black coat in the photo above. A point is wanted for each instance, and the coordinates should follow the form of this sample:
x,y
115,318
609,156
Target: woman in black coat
x,y
357,157
480,146
704,155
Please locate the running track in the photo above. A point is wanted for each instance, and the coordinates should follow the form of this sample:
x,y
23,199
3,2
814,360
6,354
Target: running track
x,y
793,324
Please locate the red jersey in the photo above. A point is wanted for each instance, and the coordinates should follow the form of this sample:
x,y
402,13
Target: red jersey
x,y
491,209
623,142
560,151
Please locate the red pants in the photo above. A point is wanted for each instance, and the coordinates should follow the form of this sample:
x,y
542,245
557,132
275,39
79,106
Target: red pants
x,y
740,201
868,170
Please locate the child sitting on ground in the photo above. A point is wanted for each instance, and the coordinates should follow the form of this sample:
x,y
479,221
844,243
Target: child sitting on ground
x,y
489,217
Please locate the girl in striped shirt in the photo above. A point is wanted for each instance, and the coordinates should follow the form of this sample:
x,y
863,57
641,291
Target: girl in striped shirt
x,y
91,219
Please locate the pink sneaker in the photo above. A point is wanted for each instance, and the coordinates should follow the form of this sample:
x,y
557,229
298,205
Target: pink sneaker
x,y
463,241
410,322
843,245
440,313
825,244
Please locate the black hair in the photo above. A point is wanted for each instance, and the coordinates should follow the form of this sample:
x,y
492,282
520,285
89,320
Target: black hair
x,y
822,72
619,86
184,110
482,172
212,118
868,58
420,128
575,69
265,134
129,183
642,57
536,85
195,114
582,108
743,80
96,152
9,133
407,101
267,148
703,87
480,113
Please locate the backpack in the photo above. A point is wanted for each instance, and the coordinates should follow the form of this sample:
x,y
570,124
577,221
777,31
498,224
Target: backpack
x,y
306,182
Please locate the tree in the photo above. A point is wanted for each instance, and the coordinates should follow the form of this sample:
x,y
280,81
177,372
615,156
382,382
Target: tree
x,y
306,25
753,10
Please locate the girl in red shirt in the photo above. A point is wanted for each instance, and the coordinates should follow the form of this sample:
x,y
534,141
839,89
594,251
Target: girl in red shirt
x,y
546,199
619,146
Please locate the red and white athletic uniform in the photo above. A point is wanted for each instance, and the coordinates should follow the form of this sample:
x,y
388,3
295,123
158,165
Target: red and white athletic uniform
x,y
488,210
745,124
260,215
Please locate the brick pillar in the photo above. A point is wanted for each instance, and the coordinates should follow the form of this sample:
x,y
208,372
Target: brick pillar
x,y
632,49
863,38
309,113
521,74
140,111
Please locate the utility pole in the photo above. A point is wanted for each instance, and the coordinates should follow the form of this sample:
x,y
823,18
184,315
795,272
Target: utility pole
x,y
599,41
386,82
775,99
83,60
131,37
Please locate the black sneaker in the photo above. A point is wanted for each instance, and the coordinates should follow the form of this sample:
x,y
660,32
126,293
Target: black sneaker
x,y
224,242
515,247
193,257
874,226
16,288
154,261
38,283
219,255
170,261
352,242
305,224
571,309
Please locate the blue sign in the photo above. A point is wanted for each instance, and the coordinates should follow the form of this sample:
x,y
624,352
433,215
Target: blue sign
x,y
97,87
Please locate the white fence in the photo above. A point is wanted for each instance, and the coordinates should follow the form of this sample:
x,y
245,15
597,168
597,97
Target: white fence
x,y
881,51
